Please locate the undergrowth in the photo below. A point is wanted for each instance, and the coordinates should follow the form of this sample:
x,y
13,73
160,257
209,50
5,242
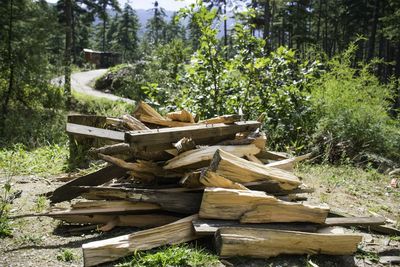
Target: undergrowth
x,y
182,255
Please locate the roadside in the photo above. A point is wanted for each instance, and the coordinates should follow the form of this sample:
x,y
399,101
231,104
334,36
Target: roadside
x,y
81,82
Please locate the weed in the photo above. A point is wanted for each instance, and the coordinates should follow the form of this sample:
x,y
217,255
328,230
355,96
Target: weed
x,y
66,255
46,160
182,255
30,240
362,254
41,204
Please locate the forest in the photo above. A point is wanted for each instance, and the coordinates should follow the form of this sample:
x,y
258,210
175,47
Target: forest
x,y
323,74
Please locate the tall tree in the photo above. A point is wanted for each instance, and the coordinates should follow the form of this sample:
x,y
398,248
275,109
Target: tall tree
x,y
126,34
156,25
103,4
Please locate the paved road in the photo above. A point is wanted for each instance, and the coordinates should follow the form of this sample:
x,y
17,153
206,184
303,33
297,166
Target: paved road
x,y
81,83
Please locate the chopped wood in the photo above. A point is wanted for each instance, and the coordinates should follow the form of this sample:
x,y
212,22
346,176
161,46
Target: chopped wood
x,y
93,132
145,109
211,179
265,243
188,203
288,164
201,134
69,191
120,148
355,221
240,170
185,144
253,158
105,207
209,227
256,207
191,180
132,220
183,116
132,123
107,250
228,119
201,157
273,155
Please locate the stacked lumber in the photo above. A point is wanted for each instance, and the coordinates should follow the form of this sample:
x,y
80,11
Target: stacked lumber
x,y
179,178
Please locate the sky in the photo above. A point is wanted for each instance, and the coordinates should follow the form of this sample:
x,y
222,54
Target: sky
x,y
172,5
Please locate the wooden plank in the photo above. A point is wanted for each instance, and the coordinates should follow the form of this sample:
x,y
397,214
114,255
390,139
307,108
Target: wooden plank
x,y
209,227
256,207
288,164
201,157
212,179
272,187
69,191
107,250
242,171
228,119
196,132
93,132
181,202
265,243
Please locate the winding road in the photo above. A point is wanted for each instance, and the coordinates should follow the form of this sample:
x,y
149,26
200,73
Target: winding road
x,y
81,82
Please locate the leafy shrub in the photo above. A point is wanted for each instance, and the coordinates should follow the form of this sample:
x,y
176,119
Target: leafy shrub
x,y
351,107
66,255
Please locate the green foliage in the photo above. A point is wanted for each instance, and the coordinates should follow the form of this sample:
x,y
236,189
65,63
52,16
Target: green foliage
x,y
41,204
182,255
351,107
21,161
66,255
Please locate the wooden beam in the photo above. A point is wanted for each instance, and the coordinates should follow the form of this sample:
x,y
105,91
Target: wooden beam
x,y
107,250
355,221
263,243
209,227
93,132
181,202
240,170
256,207
199,133
201,157
228,119
69,191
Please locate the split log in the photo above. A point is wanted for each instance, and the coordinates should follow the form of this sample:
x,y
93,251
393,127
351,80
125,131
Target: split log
x,y
188,203
288,164
273,155
355,221
209,227
132,123
183,116
256,207
145,109
104,207
273,188
240,170
201,157
107,250
69,191
135,220
201,134
228,119
211,179
191,180
254,159
185,144
263,243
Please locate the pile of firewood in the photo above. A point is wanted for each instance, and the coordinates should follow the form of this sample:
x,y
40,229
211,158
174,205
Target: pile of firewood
x,y
183,179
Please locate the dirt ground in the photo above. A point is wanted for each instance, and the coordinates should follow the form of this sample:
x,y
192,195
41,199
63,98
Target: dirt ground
x,y
37,241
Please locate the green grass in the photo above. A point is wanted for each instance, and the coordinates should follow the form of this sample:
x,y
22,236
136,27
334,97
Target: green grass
x,y
182,255
44,161
41,204
86,104
66,255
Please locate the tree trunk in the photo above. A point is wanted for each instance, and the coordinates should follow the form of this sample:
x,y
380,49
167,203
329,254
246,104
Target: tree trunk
x,y
267,19
371,47
319,21
104,26
68,43
11,66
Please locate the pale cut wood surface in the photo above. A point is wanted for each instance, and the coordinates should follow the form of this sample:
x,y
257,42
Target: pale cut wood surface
x,y
288,164
262,243
240,170
202,156
211,179
257,207
93,132
223,119
182,115
112,249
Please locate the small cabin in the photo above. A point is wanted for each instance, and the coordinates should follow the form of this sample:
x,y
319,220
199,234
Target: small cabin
x,y
102,59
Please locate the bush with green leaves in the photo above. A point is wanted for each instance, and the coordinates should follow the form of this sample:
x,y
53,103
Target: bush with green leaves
x,y
352,111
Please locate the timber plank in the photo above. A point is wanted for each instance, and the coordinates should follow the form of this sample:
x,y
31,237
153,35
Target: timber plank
x,y
93,132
